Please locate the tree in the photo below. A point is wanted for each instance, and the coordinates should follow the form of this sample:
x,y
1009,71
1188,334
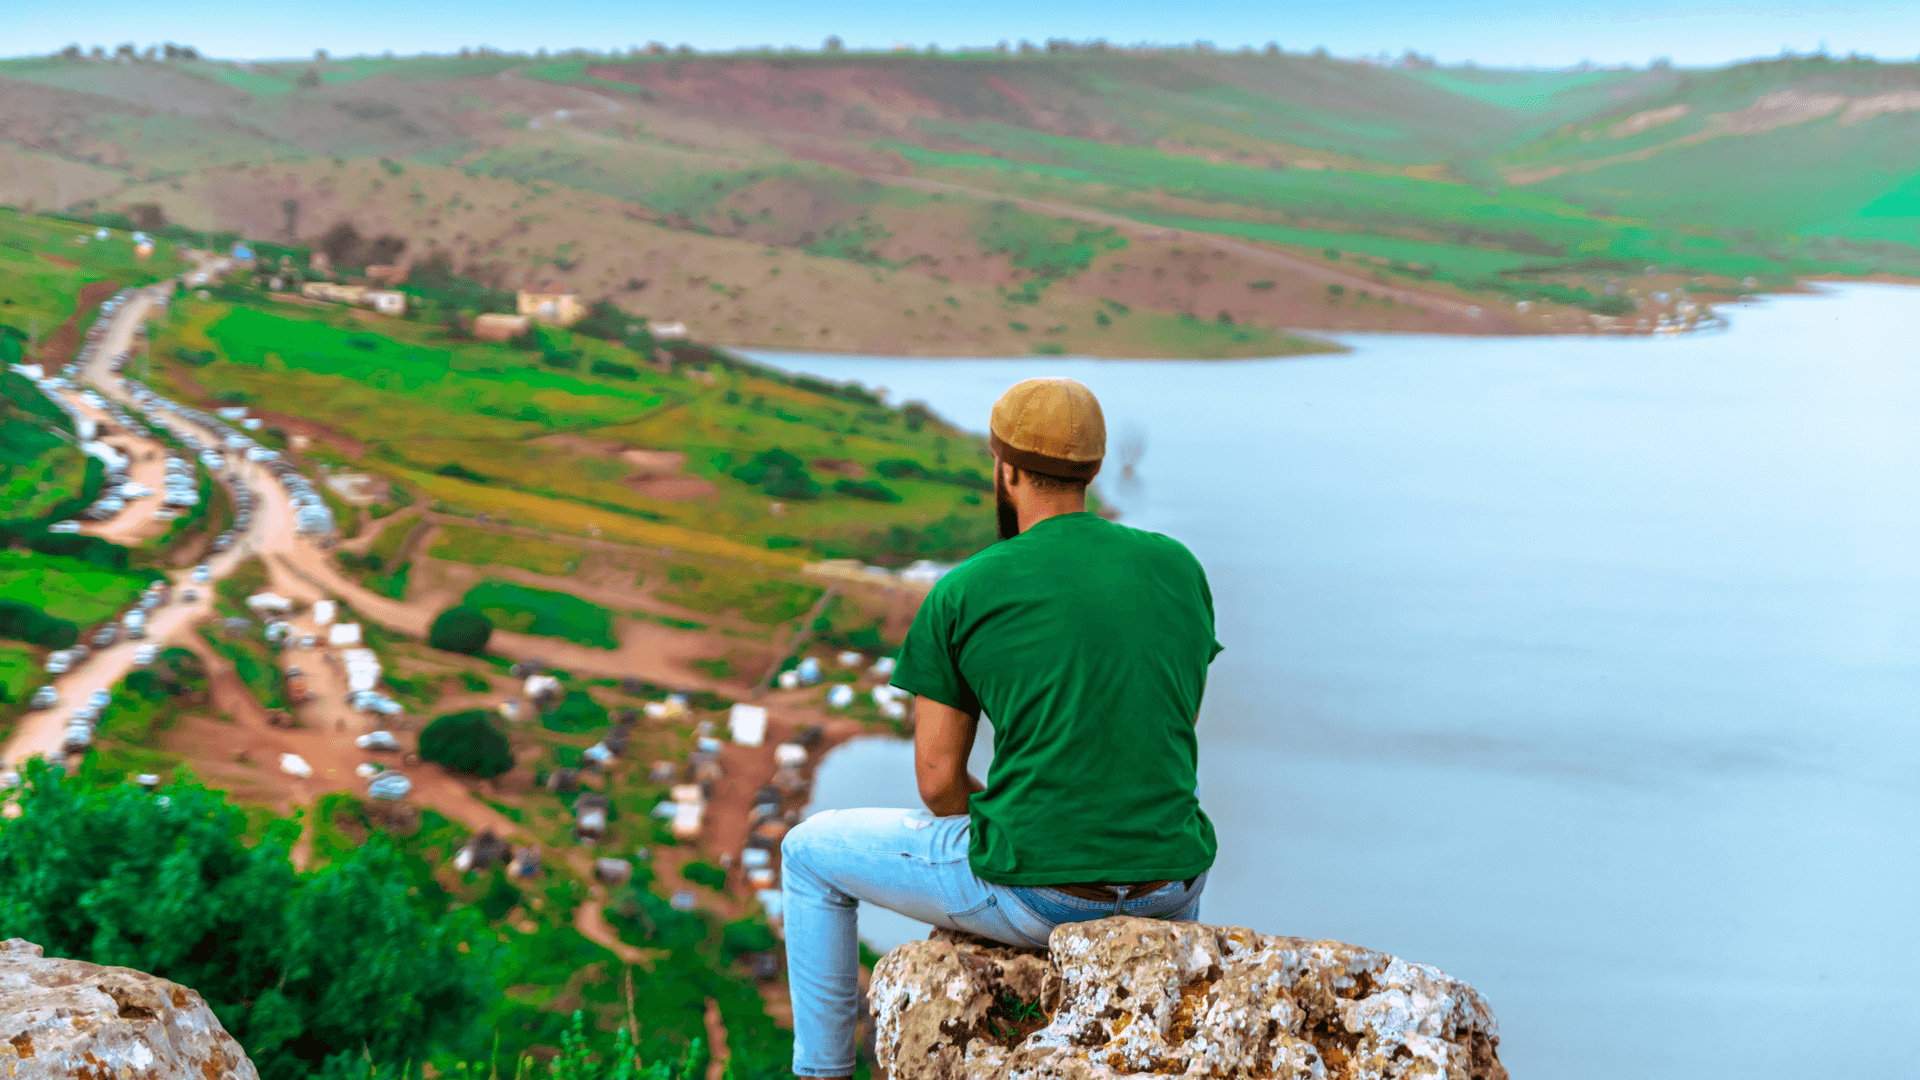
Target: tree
x,y
467,742
461,629
296,966
779,474
833,43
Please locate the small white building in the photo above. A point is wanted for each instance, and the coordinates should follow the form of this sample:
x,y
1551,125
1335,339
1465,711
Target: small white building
x,y
363,669
747,724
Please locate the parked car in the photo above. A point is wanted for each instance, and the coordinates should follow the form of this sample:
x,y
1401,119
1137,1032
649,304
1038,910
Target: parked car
x,y
145,655
201,574
59,663
106,636
45,698
296,685
188,596
68,526
378,740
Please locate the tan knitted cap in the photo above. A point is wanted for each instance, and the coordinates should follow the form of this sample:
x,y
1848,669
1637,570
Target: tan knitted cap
x,y
1051,426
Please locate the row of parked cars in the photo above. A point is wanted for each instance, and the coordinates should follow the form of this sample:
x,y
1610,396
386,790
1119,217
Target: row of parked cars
x,y
311,513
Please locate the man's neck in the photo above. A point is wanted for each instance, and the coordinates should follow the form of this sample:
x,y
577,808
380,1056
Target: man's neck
x,y
1040,510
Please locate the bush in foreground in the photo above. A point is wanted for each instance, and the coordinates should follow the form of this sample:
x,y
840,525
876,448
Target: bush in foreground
x,y
299,966
467,742
461,629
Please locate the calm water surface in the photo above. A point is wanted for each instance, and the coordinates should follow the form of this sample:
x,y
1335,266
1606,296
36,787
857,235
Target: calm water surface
x,y
1586,670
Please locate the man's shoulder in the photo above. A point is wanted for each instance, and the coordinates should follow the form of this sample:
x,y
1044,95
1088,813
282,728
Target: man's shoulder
x,y
1154,544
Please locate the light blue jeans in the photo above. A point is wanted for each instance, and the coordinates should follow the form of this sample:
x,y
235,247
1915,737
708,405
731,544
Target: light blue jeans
x,y
916,864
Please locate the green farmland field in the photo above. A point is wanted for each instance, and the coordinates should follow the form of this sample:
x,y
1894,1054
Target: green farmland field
x,y
81,593
757,597
460,544
542,613
19,673
470,417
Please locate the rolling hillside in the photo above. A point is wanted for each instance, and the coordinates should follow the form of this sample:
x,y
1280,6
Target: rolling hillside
x,y
1178,203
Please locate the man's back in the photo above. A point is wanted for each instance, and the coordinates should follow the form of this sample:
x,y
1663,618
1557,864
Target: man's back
x,y
1087,644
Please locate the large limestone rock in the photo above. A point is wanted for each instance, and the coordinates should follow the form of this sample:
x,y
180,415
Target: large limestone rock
x,y
68,1018
1126,997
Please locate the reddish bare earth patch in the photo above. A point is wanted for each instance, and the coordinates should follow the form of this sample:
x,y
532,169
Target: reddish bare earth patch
x,y
65,339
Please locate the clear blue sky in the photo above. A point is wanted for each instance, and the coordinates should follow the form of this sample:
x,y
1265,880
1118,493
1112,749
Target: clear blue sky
x,y
1544,33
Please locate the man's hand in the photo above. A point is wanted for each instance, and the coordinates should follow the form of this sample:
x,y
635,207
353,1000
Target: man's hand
x,y
942,739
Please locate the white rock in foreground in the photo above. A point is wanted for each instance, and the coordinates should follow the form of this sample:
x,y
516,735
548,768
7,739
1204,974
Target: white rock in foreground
x,y
1124,997
69,1018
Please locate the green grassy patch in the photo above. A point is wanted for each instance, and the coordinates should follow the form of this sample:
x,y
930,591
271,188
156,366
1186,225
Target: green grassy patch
x,y
64,588
755,597
577,712
459,543
543,613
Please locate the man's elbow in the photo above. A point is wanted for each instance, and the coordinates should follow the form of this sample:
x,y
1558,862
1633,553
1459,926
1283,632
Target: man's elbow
x,y
943,795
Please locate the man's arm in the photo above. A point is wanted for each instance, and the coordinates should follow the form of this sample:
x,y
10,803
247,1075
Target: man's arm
x,y
942,740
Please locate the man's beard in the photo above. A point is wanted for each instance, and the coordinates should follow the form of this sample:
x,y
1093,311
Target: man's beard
x,y
1003,506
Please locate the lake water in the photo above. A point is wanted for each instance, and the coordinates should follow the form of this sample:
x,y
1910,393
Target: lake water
x,y
1587,670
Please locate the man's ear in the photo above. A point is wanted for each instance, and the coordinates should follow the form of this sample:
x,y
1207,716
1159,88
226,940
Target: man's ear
x,y
1010,474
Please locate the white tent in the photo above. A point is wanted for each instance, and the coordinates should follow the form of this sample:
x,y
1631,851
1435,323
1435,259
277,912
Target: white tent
x,y
343,634
748,724
363,669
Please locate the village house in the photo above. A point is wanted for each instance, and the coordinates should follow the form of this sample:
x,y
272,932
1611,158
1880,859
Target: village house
x,y
384,301
553,309
491,327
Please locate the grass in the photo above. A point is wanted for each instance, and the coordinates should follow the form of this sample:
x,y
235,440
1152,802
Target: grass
x,y
576,713
81,593
470,424
561,516
20,673
759,598
254,663
38,288
542,613
458,543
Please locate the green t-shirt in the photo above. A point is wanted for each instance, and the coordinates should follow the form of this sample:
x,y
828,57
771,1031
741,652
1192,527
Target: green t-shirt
x,y
1087,645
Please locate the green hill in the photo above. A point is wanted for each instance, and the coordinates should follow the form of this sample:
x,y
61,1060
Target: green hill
x,y
992,204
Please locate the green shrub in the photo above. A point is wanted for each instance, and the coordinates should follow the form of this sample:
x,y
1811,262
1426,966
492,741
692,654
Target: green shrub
x,y
576,712
24,622
866,489
779,474
510,606
467,742
705,874
459,472
461,629
745,936
110,875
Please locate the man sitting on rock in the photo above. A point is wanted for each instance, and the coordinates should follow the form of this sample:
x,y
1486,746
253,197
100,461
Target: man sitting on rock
x,y
1087,644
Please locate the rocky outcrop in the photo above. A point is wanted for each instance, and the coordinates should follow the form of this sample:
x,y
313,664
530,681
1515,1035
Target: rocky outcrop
x,y
1136,997
68,1018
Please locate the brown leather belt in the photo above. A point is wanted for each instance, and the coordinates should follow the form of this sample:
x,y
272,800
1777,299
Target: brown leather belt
x,y
1107,894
